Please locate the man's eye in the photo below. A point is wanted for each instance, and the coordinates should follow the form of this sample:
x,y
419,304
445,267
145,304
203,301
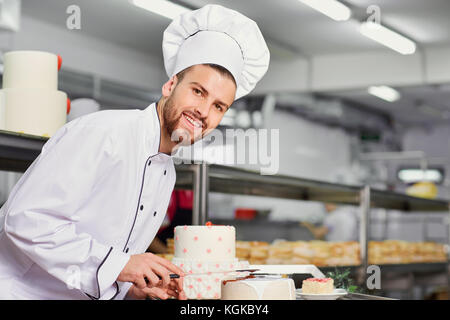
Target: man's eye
x,y
196,91
219,107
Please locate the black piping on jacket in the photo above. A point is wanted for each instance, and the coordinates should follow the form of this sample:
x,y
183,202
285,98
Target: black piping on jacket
x,y
98,284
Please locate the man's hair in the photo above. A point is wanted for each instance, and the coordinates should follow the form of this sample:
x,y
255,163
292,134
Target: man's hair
x,y
224,72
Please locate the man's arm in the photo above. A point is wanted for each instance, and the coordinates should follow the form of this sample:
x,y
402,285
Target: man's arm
x,y
319,233
41,212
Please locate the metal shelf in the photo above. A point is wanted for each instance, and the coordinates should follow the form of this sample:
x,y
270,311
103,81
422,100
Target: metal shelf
x,y
392,200
18,151
401,267
359,296
415,267
333,268
203,178
225,179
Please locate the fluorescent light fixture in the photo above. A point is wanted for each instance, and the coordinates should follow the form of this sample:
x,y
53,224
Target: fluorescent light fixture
x,y
387,37
331,8
162,7
416,175
384,92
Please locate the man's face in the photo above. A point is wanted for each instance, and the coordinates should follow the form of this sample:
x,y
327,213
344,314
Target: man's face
x,y
330,207
197,103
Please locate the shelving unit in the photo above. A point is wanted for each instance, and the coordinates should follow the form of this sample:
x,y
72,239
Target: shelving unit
x,y
403,267
17,152
203,178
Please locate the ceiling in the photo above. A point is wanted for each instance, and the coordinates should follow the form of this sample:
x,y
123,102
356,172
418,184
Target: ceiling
x,y
287,23
288,26
116,21
417,104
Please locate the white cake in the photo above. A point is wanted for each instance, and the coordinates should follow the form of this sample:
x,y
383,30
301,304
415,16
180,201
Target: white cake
x,y
210,251
258,288
30,101
318,286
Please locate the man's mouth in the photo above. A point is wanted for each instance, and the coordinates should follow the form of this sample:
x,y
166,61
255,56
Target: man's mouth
x,y
193,121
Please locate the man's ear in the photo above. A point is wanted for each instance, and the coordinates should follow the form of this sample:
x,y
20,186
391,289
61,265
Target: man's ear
x,y
169,86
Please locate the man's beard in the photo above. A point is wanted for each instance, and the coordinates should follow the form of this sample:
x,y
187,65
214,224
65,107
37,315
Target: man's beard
x,y
171,121
170,116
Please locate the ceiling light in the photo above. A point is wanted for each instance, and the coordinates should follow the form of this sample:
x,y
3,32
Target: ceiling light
x,y
383,92
162,7
331,8
387,37
416,175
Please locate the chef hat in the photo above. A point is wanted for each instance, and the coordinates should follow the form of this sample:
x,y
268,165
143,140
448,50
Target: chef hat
x,y
217,35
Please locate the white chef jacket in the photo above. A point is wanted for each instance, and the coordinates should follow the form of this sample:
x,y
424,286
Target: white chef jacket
x,y
96,194
342,224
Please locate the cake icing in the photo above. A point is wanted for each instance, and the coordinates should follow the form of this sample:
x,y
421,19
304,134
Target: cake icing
x,y
259,288
207,255
318,286
30,69
30,101
206,243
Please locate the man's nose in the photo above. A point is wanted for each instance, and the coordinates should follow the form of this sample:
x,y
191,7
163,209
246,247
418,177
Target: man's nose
x,y
202,110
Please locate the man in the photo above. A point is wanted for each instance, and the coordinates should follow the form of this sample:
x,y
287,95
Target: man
x,y
78,222
340,224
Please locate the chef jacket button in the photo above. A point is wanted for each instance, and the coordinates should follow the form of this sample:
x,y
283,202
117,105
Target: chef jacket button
x,y
142,207
154,214
150,162
165,171
126,250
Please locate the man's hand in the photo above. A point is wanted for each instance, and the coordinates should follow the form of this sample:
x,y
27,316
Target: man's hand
x,y
318,232
157,293
153,268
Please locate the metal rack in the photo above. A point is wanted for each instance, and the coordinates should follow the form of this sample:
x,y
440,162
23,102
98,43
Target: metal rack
x,y
203,178
18,151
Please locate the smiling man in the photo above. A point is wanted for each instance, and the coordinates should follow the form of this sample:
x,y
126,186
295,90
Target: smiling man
x,y
78,222
194,102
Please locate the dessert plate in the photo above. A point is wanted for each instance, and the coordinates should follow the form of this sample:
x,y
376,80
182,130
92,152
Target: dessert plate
x,y
337,293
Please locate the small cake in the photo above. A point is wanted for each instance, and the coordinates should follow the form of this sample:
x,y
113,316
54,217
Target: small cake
x,y
207,255
318,286
258,288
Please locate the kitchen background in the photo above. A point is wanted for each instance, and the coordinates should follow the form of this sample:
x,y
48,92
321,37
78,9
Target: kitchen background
x,y
316,92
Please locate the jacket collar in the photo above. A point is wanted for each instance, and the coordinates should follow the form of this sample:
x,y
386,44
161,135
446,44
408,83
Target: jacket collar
x,y
153,138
